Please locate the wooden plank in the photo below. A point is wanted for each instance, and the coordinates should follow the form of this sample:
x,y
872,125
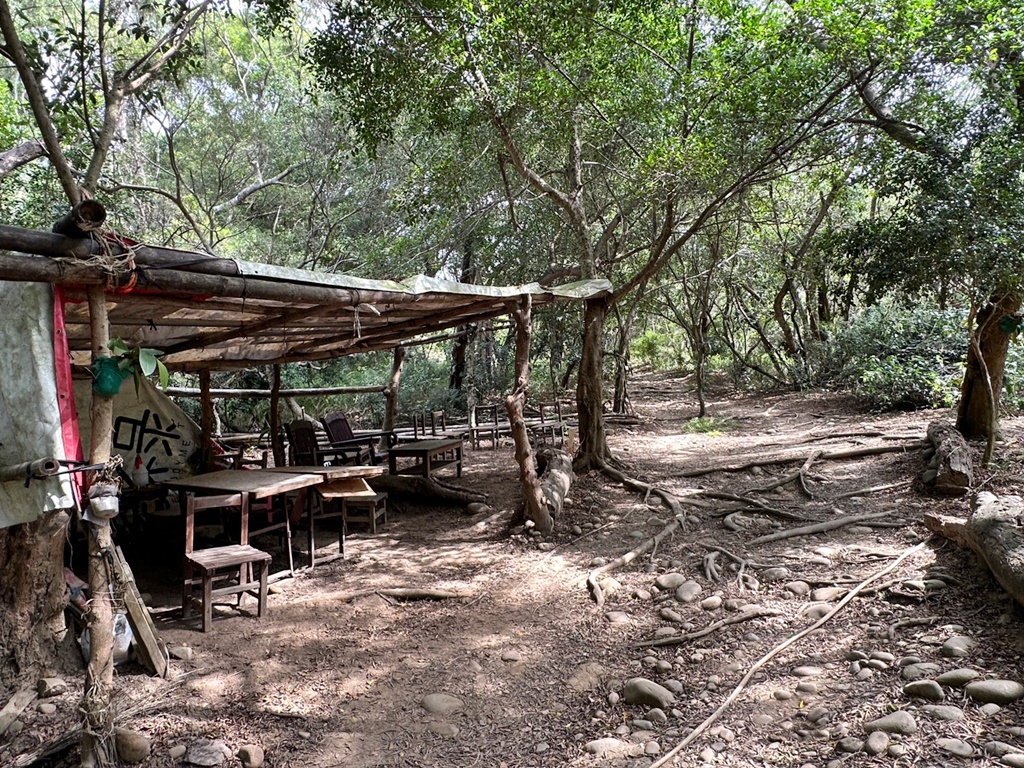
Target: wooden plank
x,y
151,649
14,707
346,488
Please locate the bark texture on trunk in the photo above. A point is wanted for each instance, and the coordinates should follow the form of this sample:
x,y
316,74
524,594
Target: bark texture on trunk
x,y
993,532
952,463
974,416
536,510
590,390
32,599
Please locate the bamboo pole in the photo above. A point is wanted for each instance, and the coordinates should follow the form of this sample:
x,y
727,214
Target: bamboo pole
x,y
29,470
98,732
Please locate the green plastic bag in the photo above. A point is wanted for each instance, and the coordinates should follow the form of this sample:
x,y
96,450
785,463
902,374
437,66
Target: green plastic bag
x,y
107,376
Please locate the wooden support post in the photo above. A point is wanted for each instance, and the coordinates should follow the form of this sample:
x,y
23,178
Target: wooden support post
x,y
536,509
391,393
276,444
98,730
205,421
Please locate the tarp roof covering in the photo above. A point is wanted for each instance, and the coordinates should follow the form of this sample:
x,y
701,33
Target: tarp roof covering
x,y
208,312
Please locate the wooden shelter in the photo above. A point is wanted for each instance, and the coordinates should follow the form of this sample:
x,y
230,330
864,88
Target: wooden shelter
x,y
205,312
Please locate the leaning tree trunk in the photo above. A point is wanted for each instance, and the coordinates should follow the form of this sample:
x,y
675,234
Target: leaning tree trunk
x,y
536,509
391,394
32,588
977,414
593,449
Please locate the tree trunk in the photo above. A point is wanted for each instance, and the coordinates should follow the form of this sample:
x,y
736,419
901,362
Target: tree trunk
x,y
391,393
978,412
536,510
993,531
98,728
33,593
590,389
276,440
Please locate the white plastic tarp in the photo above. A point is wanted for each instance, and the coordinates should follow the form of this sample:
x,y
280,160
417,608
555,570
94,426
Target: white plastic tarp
x,y
30,418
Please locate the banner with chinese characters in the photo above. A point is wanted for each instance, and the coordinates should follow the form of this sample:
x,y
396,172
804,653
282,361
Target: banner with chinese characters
x,y
149,427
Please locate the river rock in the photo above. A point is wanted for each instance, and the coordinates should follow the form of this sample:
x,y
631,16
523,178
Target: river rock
x,y
669,581
900,721
876,743
924,689
132,747
957,647
919,671
712,603
851,745
775,573
827,594
50,686
943,712
639,690
956,747
687,591
207,752
798,588
251,756
995,691
441,704
1014,760
957,678
1000,748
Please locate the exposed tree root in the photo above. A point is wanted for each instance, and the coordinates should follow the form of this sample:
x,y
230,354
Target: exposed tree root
x,y
851,453
747,614
872,489
670,755
805,530
923,621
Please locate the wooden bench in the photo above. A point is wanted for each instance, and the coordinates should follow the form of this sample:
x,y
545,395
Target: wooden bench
x,y
244,567
352,493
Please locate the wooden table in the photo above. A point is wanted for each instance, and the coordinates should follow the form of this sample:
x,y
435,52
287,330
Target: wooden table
x,y
257,483
339,483
429,455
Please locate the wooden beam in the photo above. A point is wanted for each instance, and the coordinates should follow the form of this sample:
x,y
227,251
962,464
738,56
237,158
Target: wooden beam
x,y
269,393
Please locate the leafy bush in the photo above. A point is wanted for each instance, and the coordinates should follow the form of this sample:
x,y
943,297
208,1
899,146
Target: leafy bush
x,y
901,358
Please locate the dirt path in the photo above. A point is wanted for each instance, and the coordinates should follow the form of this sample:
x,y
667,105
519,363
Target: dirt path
x,y
538,671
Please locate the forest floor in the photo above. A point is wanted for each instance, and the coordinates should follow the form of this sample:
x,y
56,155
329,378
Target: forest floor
x,y
336,673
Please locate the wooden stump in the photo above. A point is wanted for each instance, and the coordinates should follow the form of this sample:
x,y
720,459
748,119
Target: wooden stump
x,y
993,530
952,463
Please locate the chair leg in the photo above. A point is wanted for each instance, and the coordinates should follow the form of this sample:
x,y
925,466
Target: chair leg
x,y
186,591
264,566
207,601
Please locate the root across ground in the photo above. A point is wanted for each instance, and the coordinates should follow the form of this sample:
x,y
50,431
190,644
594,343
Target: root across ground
x,y
336,673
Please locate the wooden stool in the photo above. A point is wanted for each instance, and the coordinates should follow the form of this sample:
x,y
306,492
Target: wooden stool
x,y
365,510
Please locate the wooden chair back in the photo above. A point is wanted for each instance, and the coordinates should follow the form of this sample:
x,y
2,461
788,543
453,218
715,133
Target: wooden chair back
x,y
437,423
337,427
302,443
195,504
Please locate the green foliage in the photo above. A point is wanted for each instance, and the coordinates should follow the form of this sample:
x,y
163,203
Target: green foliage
x,y
899,358
713,426
139,362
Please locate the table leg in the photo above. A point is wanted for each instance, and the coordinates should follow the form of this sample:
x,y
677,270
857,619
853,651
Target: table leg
x,y
427,455
458,461
311,538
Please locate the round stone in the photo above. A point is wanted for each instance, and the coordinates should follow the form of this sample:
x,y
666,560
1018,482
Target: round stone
x,y
918,671
652,748
807,670
995,691
798,588
1014,760
687,591
956,747
924,689
441,703
943,712
900,721
669,581
617,617
850,745
957,647
876,743
957,678
712,603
